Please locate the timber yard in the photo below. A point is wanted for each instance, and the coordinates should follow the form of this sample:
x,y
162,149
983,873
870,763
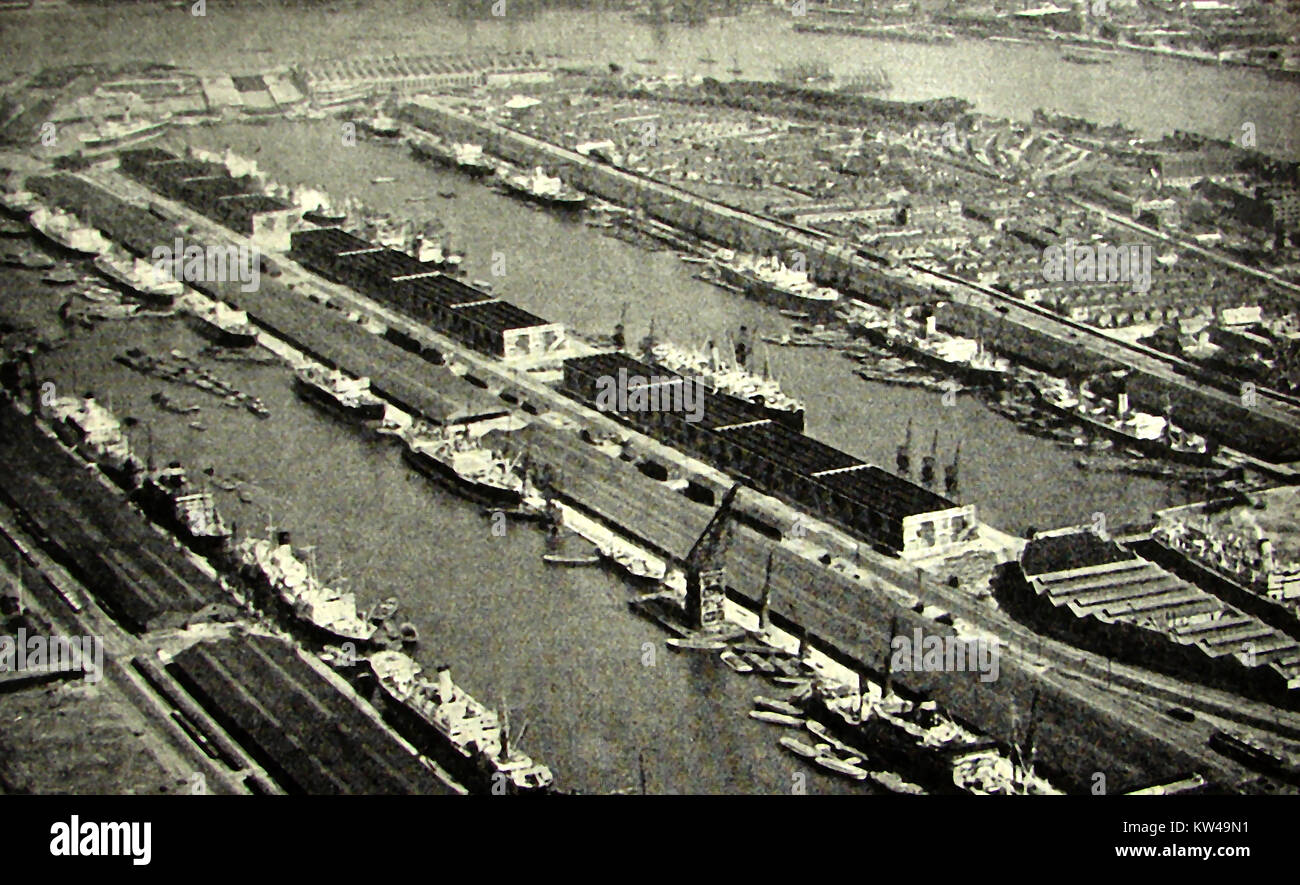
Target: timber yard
x,y
571,425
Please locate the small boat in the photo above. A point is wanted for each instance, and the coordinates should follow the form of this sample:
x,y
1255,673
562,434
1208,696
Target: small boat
x,y
447,195
840,766
694,643
798,747
778,706
776,718
383,610
382,179
571,559
736,662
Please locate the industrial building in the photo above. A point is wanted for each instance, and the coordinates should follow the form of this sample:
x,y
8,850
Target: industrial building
x,y
737,438
1097,594
470,315
239,204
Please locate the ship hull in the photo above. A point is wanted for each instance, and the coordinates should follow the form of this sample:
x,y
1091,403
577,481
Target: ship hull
x,y
324,219
222,336
928,767
569,204
432,154
1154,448
363,411
159,506
761,290
268,597
470,488
468,767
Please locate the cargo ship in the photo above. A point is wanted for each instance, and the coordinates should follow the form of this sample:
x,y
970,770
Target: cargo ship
x,y
223,325
443,721
1146,434
339,393
98,436
284,583
140,278
730,379
65,232
463,156
190,514
768,280
464,463
917,740
115,136
545,190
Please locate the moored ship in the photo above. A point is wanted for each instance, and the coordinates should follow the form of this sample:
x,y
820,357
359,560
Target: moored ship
x,y
339,393
169,498
464,463
96,433
769,280
545,190
1147,434
730,379
280,580
466,157
64,231
141,278
223,325
444,721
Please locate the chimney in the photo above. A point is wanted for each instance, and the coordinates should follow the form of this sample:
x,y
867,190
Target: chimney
x,y
445,690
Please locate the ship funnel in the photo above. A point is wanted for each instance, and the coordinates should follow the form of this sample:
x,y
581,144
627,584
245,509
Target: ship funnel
x,y
1123,403
282,538
931,326
444,683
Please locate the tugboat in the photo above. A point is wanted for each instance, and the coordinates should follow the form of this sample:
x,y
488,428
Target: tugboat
x,y
441,719
284,583
169,498
545,190
770,281
339,393
98,436
466,464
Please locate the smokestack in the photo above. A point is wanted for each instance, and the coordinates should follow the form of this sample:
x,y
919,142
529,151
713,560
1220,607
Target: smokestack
x,y
1123,403
282,538
444,684
931,327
